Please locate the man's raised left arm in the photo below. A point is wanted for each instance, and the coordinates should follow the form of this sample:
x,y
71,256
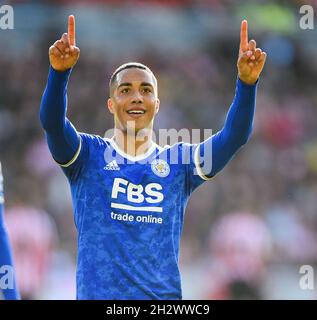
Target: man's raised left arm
x,y
215,152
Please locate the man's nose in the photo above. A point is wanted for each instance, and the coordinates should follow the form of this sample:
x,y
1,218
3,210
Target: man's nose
x,y
137,98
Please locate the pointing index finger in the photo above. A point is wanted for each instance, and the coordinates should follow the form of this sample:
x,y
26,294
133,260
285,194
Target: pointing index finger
x,y
244,36
71,30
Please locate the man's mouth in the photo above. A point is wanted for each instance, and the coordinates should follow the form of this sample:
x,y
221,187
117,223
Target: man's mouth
x,y
136,111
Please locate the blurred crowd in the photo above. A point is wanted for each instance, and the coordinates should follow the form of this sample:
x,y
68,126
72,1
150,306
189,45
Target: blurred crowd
x,y
246,232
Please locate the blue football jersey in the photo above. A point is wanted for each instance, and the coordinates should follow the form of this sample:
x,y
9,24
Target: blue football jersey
x,y
129,214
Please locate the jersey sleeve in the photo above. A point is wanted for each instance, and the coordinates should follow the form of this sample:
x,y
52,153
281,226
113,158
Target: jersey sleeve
x,y
194,174
89,147
211,156
75,167
62,137
208,158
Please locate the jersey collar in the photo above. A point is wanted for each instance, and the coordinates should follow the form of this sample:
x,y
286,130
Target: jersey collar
x,y
129,157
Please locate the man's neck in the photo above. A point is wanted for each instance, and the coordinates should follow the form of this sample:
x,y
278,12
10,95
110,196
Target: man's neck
x,y
133,145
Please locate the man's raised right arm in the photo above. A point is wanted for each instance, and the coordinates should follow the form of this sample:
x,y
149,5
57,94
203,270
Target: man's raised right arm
x,y
62,137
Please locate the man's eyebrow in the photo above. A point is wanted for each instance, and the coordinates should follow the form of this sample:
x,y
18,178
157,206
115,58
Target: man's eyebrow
x,y
125,84
146,84
129,84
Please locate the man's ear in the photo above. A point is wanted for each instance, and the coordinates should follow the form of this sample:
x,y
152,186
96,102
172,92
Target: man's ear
x,y
157,107
110,105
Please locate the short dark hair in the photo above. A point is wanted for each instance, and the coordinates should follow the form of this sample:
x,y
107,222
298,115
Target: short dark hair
x,y
129,65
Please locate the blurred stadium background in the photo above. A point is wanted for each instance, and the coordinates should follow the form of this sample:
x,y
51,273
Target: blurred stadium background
x,y
249,230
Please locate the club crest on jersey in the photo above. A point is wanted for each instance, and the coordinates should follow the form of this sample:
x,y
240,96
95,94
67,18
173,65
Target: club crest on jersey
x,y
160,167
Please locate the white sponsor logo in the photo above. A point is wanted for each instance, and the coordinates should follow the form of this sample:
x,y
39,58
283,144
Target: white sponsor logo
x,y
112,166
136,193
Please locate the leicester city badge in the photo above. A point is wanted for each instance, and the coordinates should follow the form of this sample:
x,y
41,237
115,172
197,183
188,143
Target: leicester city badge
x,y
160,168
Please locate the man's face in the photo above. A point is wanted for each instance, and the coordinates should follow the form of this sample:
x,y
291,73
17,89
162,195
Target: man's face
x,y
134,98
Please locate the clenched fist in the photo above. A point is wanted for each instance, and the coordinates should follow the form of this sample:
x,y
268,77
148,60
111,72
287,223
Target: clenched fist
x,y
63,54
